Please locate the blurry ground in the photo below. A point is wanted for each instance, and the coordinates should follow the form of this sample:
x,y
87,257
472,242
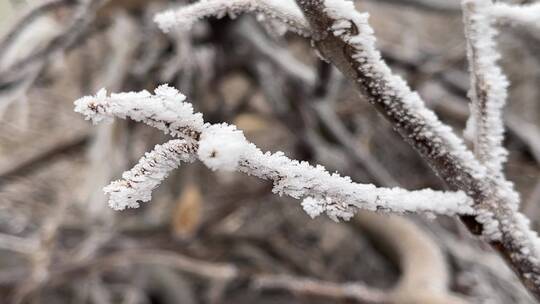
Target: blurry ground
x,y
63,245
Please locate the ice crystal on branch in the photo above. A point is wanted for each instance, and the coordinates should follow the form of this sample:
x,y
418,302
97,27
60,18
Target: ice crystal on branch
x,y
313,207
223,147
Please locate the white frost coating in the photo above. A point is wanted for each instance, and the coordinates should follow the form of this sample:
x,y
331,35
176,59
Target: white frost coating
x,y
285,11
165,110
313,207
342,197
137,184
528,14
485,127
500,219
221,146
488,86
167,20
490,226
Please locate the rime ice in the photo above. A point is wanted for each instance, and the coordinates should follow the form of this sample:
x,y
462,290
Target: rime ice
x,y
284,11
138,183
488,86
223,147
165,110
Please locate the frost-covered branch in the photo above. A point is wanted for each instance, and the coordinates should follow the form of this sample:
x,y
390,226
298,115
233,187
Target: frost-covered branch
x,y
165,110
527,14
350,45
344,37
488,86
284,11
223,147
138,183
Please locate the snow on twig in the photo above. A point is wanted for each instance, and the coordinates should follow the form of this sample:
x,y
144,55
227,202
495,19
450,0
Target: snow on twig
x,y
223,147
165,110
527,14
285,11
138,183
488,86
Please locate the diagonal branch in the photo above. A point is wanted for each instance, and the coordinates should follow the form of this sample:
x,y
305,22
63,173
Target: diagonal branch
x,y
346,40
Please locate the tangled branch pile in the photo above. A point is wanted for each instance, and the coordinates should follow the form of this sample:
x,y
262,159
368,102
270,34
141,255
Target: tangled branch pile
x,y
253,80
